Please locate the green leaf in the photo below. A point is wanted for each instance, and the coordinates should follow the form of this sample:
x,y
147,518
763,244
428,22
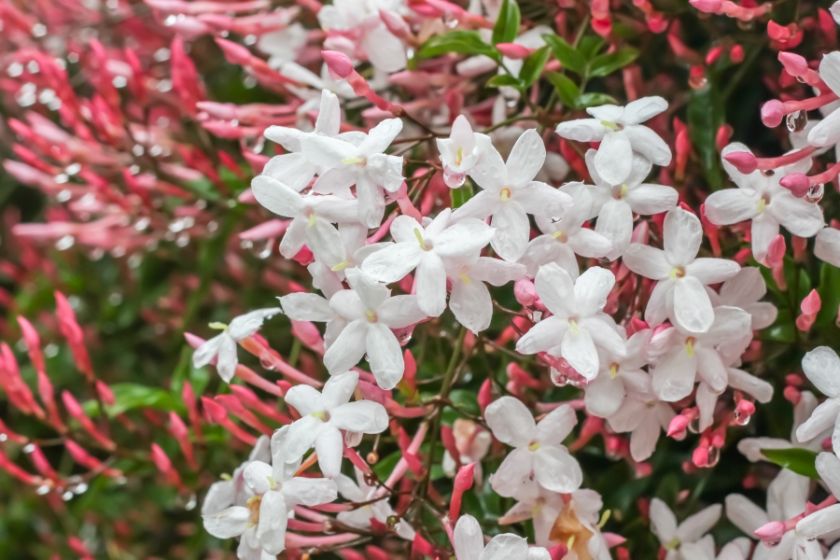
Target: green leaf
x,y
461,42
566,54
533,66
593,99
507,23
589,46
501,80
461,195
129,396
606,64
567,92
801,461
830,295
705,115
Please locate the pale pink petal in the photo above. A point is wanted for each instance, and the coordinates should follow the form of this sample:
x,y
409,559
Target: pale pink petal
x,y
699,524
647,261
512,230
337,390
683,235
673,377
465,238
510,421
692,308
526,158
642,109
822,366
504,547
329,446
366,417
662,520
348,348
731,206
643,439
471,304
430,284
226,360
744,514
604,395
579,350
310,491
384,355
556,425
468,539
301,306
614,158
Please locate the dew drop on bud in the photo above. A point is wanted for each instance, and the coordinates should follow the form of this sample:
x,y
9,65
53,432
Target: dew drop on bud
x,y
796,121
698,82
714,457
67,496
267,363
694,425
815,193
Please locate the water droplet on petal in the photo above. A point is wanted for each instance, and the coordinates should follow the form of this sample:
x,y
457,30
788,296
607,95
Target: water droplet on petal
x,y
815,193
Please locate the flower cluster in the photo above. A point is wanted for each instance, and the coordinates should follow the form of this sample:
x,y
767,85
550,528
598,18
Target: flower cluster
x,y
502,300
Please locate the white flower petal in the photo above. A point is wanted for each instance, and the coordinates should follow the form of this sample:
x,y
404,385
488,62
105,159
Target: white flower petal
x,y
556,470
384,355
510,421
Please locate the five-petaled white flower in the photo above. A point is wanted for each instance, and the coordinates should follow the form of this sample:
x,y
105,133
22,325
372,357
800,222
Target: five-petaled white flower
x,y
369,312
295,168
644,416
468,541
222,347
787,496
470,300
323,416
680,293
760,198
275,491
708,354
578,326
539,455
620,133
745,290
615,204
510,193
360,161
312,217
461,151
426,249
672,536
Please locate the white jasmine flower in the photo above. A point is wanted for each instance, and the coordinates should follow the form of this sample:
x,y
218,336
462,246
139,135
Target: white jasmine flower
x,y
461,151
469,544
822,367
673,536
222,347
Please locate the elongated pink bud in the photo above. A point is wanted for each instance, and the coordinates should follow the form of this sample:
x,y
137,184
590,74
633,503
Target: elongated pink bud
x,y
514,50
338,63
464,480
744,162
771,532
796,183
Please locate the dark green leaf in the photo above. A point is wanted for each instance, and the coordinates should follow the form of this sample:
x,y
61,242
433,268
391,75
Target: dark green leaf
x,y
606,64
830,294
566,54
567,92
501,80
589,46
705,115
128,396
533,66
801,461
507,23
461,195
593,99
461,42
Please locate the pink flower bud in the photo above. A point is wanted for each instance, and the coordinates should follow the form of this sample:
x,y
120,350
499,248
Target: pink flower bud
x,y
796,183
795,64
525,292
464,479
736,54
776,252
707,6
513,50
771,532
678,426
744,162
338,63
772,113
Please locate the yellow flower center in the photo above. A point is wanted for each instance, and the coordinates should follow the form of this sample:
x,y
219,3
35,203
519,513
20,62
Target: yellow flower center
x,y
505,193
689,346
